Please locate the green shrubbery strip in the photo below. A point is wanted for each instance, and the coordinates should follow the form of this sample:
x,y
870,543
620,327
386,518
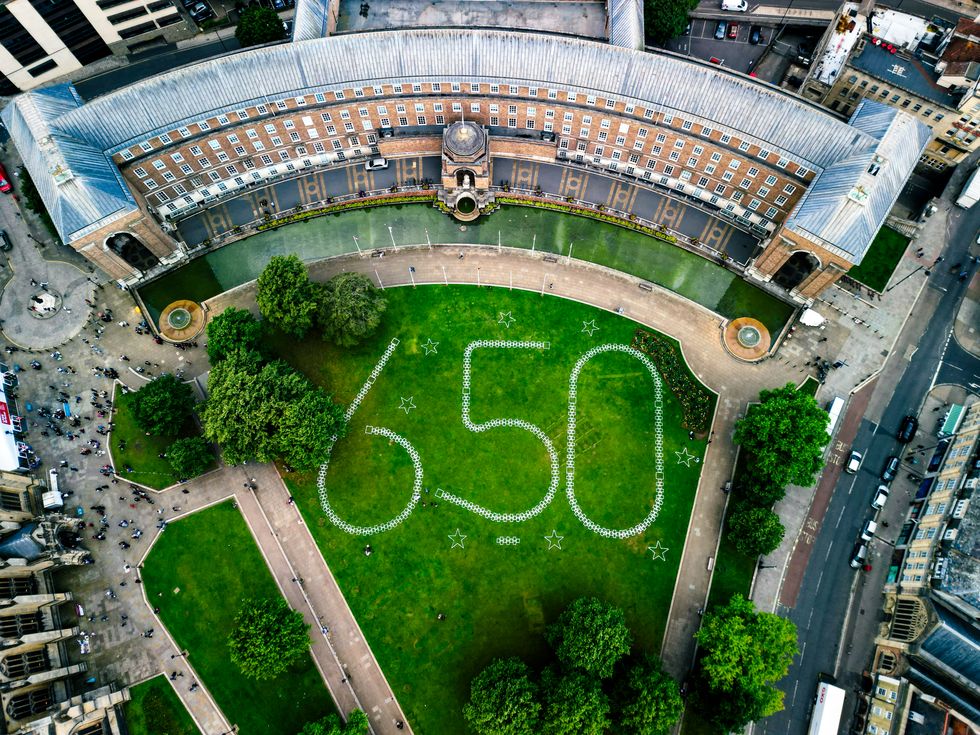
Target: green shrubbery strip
x,y
695,399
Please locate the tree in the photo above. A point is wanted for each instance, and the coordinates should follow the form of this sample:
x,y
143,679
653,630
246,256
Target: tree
x,y
755,531
232,330
259,25
503,700
574,704
758,491
350,308
286,297
784,436
666,19
590,635
647,700
744,653
269,412
268,638
190,456
357,724
163,405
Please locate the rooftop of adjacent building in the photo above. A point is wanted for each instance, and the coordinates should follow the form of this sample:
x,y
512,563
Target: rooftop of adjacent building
x,y
904,72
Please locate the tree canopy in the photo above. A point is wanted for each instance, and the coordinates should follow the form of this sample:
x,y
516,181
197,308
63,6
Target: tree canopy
x,y
232,330
666,19
744,653
350,308
755,530
268,412
574,704
503,700
286,296
163,405
258,25
784,435
590,635
190,456
357,724
648,701
268,638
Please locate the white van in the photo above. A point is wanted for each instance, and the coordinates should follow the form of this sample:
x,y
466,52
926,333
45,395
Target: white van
x,y
738,6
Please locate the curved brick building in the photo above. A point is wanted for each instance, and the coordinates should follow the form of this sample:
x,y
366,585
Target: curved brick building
x,y
121,172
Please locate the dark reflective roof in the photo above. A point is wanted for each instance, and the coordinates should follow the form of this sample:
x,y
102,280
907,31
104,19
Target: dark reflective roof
x,y
20,544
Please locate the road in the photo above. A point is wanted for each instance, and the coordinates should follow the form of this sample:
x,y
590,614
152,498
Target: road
x,y
822,607
913,7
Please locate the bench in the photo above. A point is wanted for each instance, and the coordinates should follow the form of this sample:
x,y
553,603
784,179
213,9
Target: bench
x,y
551,259
644,286
711,563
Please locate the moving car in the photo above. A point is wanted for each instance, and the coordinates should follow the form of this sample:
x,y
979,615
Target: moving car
x,y
881,497
5,244
375,164
891,469
733,30
859,555
755,35
4,181
853,463
906,432
868,530
720,30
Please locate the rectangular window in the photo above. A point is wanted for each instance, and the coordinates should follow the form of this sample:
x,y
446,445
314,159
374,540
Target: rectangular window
x,y
204,162
745,183
661,138
770,180
176,158
140,171
726,139
698,150
159,165
692,162
657,150
716,157
752,172
196,150
203,125
763,191
789,188
802,171
709,169
743,146
276,141
283,155
734,164
420,120
728,176
687,125
214,145
668,169
186,169
763,154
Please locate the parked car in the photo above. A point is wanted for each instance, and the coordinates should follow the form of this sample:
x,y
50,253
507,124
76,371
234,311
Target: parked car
x,y
278,5
4,181
853,463
859,555
755,35
5,244
868,530
881,497
891,469
733,30
375,164
201,12
906,432
720,30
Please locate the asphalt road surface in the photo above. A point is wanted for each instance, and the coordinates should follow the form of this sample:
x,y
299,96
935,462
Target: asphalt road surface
x,y
822,605
913,7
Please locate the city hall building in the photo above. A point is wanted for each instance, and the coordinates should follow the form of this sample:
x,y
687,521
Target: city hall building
x,y
483,111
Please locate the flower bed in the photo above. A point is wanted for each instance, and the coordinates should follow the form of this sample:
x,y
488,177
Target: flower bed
x,y
591,214
696,400
377,201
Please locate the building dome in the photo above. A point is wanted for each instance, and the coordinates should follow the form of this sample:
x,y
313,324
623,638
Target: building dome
x,y
465,138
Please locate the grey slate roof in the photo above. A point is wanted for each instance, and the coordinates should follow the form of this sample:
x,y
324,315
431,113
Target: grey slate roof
x,y
755,112
846,205
953,648
310,19
625,23
80,186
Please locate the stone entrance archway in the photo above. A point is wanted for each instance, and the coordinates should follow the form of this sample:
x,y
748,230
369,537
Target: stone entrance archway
x,y
796,269
135,253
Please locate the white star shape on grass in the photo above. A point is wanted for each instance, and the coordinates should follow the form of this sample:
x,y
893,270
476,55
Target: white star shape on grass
x,y
506,319
408,404
684,457
590,327
659,552
554,540
457,539
430,347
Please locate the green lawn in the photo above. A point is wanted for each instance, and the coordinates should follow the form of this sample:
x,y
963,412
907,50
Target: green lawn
x,y
497,598
881,259
155,709
810,385
670,266
142,452
198,573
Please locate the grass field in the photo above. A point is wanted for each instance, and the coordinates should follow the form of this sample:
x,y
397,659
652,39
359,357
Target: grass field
x,y
670,266
155,709
497,597
142,452
881,259
198,573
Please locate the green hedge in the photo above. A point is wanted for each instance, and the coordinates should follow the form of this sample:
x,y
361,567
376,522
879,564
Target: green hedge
x,y
696,400
381,201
